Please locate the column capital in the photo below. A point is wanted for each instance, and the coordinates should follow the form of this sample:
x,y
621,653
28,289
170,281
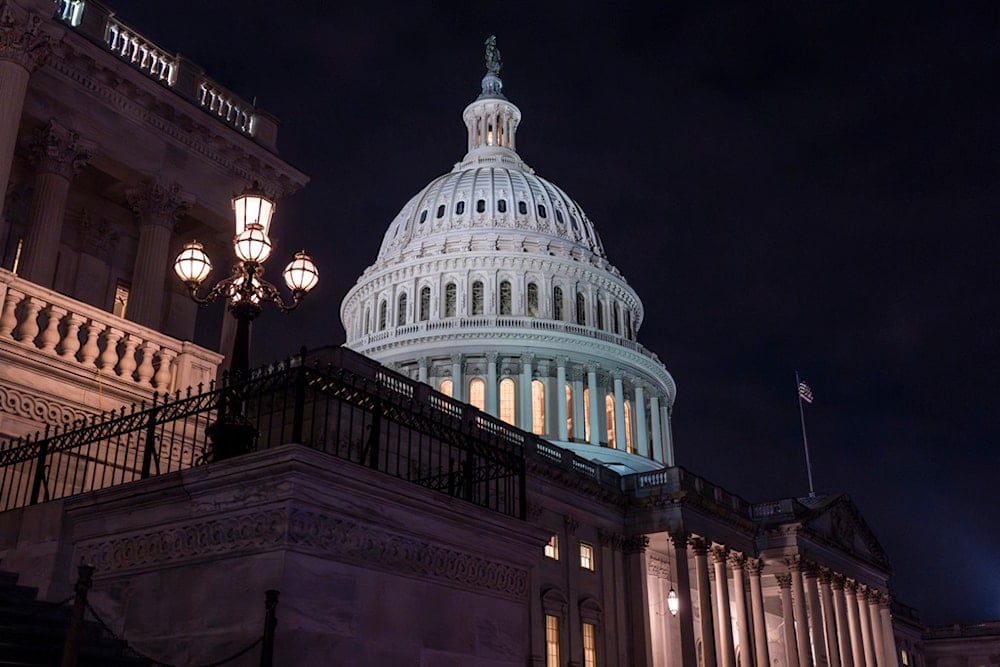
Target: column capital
x,y
55,149
825,576
837,581
593,366
571,523
737,560
719,553
21,40
850,587
158,204
617,374
794,562
784,581
527,357
680,538
699,545
492,357
635,544
562,361
755,566
457,357
611,540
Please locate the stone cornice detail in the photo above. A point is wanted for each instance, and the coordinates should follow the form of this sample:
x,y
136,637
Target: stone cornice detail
x,y
324,535
658,567
635,544
55,149
157,203
36,408
21,40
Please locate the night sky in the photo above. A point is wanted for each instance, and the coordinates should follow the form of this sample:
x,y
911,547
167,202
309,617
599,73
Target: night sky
x,y
800,185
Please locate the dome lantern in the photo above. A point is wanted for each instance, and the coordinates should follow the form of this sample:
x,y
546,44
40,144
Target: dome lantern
x,y
491,119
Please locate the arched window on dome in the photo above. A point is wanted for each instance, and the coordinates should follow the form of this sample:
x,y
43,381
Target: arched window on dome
x,y
507,411
425,303
506,300
538,407
522,208
629,445
477,393
557,303
480,206
533,299
368,320
423,216
541,211
581,309
600,314
501,206
477,298
450,300
609,413
614,318
628,325
569,411
401,310
447,387
559,217
586,414
460,208
383,313
440,212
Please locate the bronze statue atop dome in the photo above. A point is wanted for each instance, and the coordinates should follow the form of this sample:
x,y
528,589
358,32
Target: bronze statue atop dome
x,y
493,63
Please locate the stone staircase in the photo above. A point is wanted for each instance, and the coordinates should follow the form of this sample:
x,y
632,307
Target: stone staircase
x,y
32,632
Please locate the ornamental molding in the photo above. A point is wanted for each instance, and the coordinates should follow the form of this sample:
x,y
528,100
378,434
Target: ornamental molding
x,y
658,567
324,535
36,408
55,149
21,40
156,203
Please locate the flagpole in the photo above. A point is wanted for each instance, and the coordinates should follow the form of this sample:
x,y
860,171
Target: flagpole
x,y
805,440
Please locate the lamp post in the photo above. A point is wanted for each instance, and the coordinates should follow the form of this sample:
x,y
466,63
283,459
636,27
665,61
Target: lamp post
x,y
245,291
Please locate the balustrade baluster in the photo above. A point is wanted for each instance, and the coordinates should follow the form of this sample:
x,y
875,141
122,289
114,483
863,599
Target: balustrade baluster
x,y
70,343
109,358
50,336
164,374
27,329
8,319
90,349
145,371
126,364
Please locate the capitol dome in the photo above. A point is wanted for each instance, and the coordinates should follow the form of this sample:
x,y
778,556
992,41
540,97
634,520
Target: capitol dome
x,y
492,285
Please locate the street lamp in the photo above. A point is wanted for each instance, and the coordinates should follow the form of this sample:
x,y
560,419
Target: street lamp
x,y
245,288
673,604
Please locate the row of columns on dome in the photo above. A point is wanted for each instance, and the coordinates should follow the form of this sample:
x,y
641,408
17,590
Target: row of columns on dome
x,y
783,610
523,390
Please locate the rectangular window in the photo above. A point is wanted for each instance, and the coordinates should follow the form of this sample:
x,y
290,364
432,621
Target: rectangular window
x,y
586,556
551,641
552,548
121,299
589,645
905,656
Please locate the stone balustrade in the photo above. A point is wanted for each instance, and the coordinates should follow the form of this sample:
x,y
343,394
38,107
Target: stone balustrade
x,y
37,321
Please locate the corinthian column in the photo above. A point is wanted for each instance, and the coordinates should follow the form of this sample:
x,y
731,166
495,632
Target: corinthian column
x,y
621,440
788,618
844,646
641,437
875,622
657,429
737,562
829,617
865,626
156,208
23,49
683,579
817,631
801,620
562,413
761,653
888,636
57,157
594,410
525,413
727,654
853,623
700,548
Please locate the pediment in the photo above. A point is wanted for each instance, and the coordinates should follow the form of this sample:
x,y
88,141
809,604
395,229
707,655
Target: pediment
x,y
838,523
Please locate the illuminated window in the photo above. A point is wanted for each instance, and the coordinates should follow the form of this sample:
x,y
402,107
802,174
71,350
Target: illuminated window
x,y
121,294
477,298
532,299
569,411
460,208
401,310
425,303
477,393
586,556
586,414
581,309
552,548
505,298
609,411
614,318
551,641
447,387
450,299
537,407
557,304
905,657
17,255
629,445
383,310
507,412
589,645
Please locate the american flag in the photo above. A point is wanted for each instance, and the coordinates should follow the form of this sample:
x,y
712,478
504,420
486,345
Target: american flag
x,y
805,393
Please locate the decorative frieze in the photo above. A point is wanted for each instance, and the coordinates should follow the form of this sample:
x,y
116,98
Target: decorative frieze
x,y
37,408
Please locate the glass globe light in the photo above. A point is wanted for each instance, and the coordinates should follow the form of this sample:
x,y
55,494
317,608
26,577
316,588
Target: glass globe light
x,y
192,265
301,274
673,603
252,244
252,207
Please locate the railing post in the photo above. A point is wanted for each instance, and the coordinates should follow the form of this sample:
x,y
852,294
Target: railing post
x,y
72,646
147,457
299,412
43,451
270,624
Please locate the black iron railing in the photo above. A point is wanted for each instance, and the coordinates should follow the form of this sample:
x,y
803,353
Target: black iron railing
x,y
349,407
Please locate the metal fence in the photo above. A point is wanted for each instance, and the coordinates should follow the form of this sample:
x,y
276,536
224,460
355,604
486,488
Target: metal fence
x,y
349,407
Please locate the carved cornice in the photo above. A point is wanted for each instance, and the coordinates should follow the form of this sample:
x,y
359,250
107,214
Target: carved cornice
x,y
55,149
328,536
21,41
658,567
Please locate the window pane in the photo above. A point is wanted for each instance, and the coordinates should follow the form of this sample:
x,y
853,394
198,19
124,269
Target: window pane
x,y
537,407
609,411
477,298
586,556
425,303
446,387
477,393
551,641
581,310
505,298
629,445
507,413
401,311
569,411
557,305
586,414
589,645
450,299
552,548
383,309
532,299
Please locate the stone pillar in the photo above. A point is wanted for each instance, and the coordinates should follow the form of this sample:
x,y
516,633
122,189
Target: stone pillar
x,y
641,437
657,429
888,636
685,616
156,208
843,627
801,619
422,369
579,408
634,551
457,378
57,157
875,621
700,548
737,562
853,623
524,414
668,436
595,414
761,653
829,618
620,437
727,654
23,49
562,414
816,628
788,618
492,389
865,626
